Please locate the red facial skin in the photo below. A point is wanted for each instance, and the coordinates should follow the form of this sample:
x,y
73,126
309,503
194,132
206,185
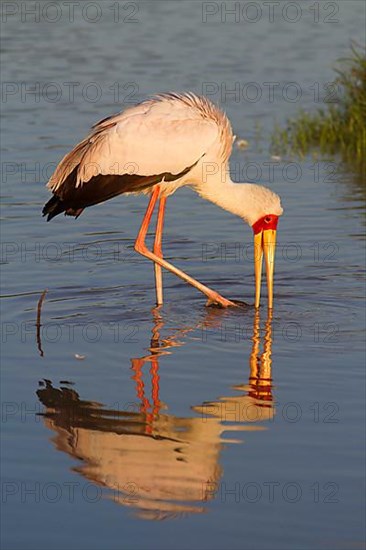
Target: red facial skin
x,y
267,222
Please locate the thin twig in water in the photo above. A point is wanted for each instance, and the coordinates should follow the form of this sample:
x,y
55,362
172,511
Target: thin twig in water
x,y
38,322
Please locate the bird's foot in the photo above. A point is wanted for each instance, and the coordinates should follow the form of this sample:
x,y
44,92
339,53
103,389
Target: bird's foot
x,y
219,301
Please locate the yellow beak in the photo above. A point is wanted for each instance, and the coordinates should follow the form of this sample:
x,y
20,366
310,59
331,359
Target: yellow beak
x,y
264,243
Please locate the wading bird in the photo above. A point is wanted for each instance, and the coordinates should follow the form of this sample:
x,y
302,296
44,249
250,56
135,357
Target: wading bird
x,y
154,148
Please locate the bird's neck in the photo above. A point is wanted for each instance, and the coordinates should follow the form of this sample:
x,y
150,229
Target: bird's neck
x,y
237,198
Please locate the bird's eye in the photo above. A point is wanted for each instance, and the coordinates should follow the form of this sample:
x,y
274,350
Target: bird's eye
x,y
267,219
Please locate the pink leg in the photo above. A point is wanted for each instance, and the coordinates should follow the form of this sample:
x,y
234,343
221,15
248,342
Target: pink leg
x,y
158,251
141,248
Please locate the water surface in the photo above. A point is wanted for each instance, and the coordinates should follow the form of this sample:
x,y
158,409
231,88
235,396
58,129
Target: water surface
x,y
237,430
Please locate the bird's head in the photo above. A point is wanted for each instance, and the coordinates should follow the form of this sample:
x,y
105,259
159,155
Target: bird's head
x,y
263,218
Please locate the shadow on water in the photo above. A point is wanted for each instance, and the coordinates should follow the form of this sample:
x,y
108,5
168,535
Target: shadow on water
x,y
160,465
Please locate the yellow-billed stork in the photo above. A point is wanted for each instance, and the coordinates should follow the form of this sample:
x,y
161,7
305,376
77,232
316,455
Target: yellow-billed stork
x,y
154,148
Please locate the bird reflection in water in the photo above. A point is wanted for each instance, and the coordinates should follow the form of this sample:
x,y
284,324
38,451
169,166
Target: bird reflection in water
x,y
161,465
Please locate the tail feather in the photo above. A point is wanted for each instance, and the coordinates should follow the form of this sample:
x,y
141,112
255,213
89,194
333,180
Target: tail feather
x,y
53,207
56,206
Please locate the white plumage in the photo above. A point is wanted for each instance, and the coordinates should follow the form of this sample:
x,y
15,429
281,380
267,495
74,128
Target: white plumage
x,y
165,134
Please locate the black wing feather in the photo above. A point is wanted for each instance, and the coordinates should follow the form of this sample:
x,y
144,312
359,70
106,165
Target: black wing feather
x,y
72,200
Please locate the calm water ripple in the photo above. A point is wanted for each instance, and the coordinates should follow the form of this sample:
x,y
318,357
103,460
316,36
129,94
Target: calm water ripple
x,y
240,431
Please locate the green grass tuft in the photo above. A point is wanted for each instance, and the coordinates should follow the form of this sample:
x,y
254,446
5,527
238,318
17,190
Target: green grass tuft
x,y
339,129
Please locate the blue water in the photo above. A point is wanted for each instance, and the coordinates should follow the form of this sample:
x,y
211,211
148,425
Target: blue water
x,y
237,430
